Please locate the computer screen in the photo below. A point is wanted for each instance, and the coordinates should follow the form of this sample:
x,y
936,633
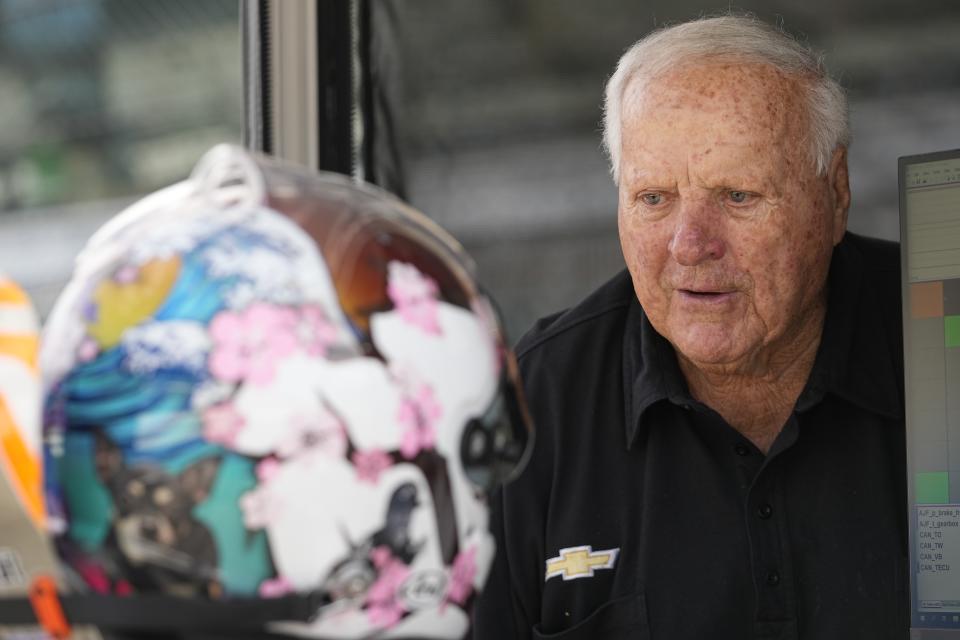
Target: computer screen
x,y
930,251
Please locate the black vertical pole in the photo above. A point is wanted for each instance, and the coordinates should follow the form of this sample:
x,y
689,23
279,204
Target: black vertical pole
x,y
257,84
338,109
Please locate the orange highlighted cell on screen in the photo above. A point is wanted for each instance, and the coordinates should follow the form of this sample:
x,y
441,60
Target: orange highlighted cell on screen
x,y
926,300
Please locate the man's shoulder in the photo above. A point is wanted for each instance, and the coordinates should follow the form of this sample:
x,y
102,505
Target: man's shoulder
x,y
877,255
880,267
605,307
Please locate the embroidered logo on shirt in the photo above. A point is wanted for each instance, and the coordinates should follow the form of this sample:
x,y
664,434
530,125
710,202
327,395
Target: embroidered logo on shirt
x,y
580,562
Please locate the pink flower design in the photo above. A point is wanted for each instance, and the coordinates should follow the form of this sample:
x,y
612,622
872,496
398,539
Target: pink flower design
x,y
249,344
275,587
383,607
94,575
87,350
370,464
462,573
414,295
315,331
418,416
221,423
416,440
321,433
385,615
381,556
126,274
259,508
267,469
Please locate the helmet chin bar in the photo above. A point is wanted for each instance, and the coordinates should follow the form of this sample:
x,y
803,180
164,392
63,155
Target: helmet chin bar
x,y
495,446
159,617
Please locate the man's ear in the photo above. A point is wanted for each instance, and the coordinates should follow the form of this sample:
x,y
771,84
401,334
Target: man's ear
x,y
197,479
838,181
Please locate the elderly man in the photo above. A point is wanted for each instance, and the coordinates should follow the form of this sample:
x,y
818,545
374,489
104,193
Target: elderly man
x,y
720,428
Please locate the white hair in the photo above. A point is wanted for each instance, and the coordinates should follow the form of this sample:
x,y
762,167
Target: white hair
x,y
740,37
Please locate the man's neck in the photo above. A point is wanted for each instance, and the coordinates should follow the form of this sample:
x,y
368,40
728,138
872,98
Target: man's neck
x,y
757,397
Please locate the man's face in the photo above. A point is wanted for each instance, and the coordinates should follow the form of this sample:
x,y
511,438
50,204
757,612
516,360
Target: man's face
x,y
725,227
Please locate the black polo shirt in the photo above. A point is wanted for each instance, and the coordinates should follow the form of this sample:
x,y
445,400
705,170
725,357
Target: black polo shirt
x,y
643,514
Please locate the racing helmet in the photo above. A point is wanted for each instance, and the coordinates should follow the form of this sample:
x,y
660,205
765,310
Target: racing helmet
x,y
275,400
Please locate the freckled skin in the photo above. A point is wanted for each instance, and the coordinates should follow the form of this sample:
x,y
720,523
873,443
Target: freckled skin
x,y
738,287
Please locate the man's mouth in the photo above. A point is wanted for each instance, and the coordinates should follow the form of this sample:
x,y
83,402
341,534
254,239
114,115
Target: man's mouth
x,y
706,295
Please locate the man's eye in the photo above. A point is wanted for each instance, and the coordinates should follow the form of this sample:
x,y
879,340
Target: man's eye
x,y
652,199
738,197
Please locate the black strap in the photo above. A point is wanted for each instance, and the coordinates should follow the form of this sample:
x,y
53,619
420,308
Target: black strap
x,y
168,613
16,611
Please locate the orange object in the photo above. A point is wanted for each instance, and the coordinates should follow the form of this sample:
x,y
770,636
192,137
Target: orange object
x,y
11,293
20,400
46,606
21,465
21,347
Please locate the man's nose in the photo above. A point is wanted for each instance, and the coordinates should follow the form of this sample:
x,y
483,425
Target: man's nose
x,y
696,237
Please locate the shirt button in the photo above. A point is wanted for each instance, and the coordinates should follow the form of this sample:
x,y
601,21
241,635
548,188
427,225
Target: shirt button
x,y
773,578
765,511
741,449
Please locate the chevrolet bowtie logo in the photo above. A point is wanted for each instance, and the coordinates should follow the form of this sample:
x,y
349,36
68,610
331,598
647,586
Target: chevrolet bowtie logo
x,y
580,562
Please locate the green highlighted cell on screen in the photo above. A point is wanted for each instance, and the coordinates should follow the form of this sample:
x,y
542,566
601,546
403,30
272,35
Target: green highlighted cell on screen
x,y
932,487
951,330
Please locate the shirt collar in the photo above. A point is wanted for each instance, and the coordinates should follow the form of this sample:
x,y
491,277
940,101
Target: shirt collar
x,y
650,369
853,332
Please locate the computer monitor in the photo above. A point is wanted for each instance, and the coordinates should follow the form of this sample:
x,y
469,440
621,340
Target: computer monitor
x,y
930,263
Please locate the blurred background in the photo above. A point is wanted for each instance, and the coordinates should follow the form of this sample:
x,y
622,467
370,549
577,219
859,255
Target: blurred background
x,y
491,107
